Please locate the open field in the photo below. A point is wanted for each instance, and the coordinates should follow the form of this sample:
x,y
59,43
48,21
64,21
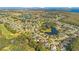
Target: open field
x,y
72,18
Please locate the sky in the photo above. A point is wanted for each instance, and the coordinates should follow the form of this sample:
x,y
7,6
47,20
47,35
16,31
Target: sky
x,y
39,3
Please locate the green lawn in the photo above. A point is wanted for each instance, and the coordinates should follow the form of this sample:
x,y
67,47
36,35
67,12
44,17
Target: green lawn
x,y
5,32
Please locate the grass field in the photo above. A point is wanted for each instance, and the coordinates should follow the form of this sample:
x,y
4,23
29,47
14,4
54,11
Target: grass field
x,y
74,46
6,33
72,19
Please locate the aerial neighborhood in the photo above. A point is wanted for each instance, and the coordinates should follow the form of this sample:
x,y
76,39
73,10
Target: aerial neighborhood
x,y
38,30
